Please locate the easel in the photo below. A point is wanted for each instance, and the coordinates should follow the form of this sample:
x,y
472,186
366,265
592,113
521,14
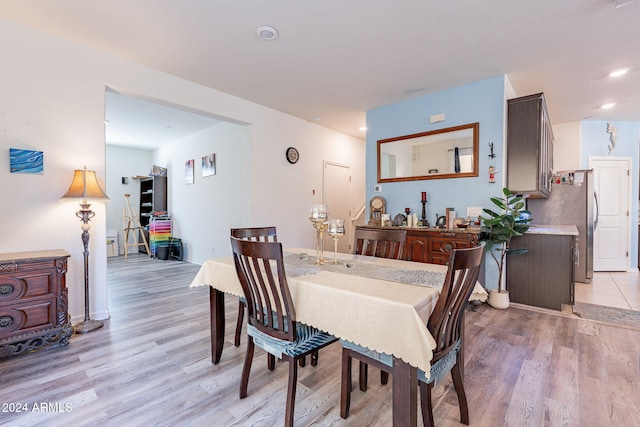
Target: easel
x,y
132,223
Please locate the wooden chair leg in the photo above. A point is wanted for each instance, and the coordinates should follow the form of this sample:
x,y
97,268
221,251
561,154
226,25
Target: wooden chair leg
x,y
384,377
315,355
271,362
291,393
345,384
458,383
364,373
244,380
426,404
302,361
241,307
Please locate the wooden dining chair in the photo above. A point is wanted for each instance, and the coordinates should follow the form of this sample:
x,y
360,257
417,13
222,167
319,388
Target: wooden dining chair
x,y
264,234
445,325
256,234
271,316
382,243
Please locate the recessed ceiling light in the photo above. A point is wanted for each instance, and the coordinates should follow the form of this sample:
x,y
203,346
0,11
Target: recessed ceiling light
x,y
618,73
608,106
363,128
267,32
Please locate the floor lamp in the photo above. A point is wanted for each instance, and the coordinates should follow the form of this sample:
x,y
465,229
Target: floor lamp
x,y
85,189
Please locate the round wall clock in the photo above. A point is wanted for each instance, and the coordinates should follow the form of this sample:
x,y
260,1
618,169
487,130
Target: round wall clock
x,y
292,155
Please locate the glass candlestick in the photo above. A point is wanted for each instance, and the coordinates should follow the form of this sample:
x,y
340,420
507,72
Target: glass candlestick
x,y
335,230
318,216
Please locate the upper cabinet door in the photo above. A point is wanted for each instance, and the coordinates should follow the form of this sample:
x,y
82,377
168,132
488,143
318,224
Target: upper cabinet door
x,y
529,146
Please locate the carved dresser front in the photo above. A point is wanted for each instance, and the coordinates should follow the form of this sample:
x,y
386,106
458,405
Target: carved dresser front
x,y
33,301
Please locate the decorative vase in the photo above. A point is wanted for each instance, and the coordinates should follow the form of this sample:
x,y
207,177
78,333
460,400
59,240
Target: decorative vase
x,y
499,299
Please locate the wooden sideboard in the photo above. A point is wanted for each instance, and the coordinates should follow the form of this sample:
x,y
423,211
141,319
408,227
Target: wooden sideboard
x,y
433,245
33,301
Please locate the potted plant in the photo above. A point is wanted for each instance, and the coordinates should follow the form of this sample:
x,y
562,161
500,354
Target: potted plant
x,y
497,230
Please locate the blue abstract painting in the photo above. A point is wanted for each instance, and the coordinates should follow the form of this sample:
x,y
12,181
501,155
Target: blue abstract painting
x,y
26,161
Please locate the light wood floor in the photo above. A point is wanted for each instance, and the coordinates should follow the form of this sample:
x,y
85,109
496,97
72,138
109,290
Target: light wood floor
x,y
151,366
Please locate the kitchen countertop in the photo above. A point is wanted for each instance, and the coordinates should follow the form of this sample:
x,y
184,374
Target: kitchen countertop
x,y
565,230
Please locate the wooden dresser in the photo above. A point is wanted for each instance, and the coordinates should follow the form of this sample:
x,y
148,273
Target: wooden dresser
x,y
33,301
433,245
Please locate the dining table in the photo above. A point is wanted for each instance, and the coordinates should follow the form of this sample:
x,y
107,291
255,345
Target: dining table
x,y
378,303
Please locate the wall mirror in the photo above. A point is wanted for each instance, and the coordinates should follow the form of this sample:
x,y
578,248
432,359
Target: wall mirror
x,y
443,153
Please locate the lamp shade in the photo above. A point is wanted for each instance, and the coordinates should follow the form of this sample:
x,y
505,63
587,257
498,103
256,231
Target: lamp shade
x,y
85,187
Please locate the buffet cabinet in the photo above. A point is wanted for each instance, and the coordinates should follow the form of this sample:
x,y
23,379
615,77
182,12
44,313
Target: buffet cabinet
x,y
33,301
529,146
433,245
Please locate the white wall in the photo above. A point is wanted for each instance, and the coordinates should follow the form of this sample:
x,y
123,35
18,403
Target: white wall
x,y
124,162
203,212
53,100
567,146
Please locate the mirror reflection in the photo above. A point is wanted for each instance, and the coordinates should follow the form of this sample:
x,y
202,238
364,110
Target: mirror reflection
x,y
444,153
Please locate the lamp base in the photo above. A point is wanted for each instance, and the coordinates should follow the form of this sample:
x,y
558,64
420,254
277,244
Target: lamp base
x,y
87,326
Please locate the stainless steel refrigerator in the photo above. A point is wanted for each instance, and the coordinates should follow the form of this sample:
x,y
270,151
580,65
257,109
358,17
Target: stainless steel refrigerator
x,y
572,201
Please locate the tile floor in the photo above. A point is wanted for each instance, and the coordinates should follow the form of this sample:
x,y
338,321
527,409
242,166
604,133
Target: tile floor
x,y
613,289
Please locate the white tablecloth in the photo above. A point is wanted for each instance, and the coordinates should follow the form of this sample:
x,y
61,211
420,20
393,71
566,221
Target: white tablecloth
x,y
381,314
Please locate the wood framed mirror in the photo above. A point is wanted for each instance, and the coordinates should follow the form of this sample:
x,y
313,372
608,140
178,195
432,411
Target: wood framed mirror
x,y
438,154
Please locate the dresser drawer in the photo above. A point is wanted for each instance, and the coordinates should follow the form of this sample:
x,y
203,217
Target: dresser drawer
x,y
26,285
21,318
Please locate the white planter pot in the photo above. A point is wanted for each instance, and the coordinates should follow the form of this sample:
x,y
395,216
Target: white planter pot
x,y
499,299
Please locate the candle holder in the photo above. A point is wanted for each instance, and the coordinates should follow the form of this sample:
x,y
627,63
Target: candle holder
x,y
424,222
335,230
318,216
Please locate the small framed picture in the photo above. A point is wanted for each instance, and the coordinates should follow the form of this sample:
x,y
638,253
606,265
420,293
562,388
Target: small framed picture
x,y
26,161
209,165
188,171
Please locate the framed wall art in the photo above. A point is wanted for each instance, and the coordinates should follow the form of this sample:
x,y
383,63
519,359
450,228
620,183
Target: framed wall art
x,y
188,171
26,161
209,165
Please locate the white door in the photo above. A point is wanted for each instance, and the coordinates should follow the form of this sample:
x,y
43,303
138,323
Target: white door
x,y
337,190
611,236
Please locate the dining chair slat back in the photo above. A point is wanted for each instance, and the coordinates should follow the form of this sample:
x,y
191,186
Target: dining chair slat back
x,y
380,243
259,234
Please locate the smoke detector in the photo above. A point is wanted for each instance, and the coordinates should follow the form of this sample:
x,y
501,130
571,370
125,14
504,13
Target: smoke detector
x,y
267,32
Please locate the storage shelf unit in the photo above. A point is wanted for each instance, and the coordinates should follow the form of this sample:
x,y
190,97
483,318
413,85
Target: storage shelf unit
x,y
160,229
153,198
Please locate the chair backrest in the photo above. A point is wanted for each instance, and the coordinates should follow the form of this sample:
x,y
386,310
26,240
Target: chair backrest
x,y
380,243
264,234
445,321
260,268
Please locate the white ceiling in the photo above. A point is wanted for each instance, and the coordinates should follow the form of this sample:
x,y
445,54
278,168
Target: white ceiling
x,y
138,123
336,59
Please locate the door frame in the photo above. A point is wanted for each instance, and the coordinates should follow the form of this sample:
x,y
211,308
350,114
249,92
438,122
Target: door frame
x,y
347,221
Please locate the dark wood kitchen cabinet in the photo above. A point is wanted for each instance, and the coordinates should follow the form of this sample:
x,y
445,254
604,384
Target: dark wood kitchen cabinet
x,y
544,275
33,301
529,153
